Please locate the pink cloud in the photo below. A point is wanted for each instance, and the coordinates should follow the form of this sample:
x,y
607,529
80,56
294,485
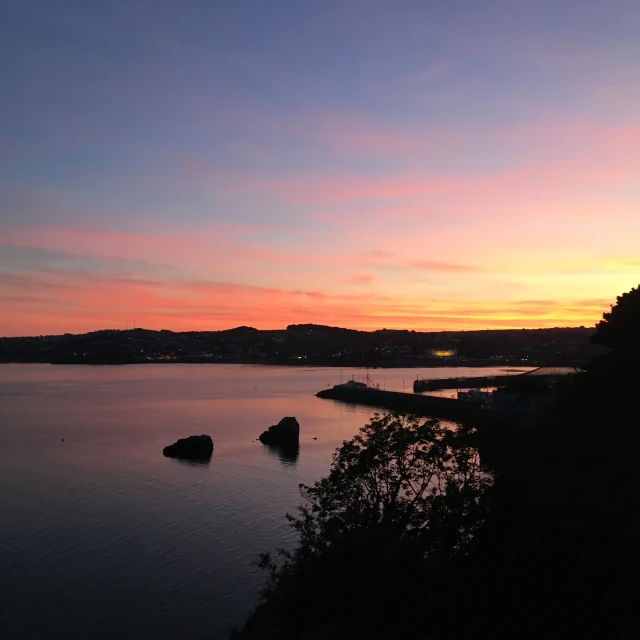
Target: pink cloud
x,y
82,240
362,278
435,265
613,161
199,247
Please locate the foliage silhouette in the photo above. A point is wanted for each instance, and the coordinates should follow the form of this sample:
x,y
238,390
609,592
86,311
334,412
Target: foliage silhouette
x,y
620,328
398,510
607,393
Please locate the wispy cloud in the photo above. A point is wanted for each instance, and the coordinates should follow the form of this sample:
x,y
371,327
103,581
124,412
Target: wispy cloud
x,y
430,72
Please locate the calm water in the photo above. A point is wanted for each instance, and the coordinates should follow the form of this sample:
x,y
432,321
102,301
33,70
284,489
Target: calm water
x,y
103,537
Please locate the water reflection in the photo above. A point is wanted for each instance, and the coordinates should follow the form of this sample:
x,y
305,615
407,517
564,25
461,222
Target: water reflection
x,y
288,456
193,463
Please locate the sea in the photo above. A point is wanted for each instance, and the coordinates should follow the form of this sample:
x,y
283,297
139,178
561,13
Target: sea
x,y
102,537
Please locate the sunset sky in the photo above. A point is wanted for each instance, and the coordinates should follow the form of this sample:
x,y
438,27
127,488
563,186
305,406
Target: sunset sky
x,y
204,164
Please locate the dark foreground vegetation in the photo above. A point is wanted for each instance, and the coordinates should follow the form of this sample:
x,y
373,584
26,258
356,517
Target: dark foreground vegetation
x,y
307,345
420,531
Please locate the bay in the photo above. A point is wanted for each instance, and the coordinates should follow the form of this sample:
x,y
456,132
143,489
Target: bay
x,y
103,537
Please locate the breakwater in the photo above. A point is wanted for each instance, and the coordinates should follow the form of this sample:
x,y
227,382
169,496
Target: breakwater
x,y
461,383
432,406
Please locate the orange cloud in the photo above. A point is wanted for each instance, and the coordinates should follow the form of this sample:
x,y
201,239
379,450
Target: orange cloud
x,y
75,302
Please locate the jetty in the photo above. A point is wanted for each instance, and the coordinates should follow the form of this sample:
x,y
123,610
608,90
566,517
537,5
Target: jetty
x,y
520,397
432,406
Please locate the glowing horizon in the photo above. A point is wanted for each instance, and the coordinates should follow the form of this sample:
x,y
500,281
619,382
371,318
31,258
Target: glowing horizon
x,y
193,166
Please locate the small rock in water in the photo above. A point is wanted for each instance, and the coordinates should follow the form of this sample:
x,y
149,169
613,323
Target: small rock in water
x,y
285,433
193,448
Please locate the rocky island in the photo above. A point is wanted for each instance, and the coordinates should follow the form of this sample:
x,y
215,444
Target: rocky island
x,y
284,434
191,448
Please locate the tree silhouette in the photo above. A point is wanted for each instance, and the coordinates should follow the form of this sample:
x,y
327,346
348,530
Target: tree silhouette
x,y
378,536
619,328
400,474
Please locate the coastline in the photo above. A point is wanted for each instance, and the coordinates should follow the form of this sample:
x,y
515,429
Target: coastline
x,y
310,362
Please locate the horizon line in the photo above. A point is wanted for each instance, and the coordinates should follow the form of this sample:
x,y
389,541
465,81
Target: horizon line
x,y
304,324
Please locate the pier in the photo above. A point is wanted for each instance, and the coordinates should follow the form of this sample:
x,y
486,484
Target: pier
x,y
432,406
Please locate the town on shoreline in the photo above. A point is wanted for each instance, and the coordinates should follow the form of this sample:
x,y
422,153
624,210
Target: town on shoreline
x,y
309,345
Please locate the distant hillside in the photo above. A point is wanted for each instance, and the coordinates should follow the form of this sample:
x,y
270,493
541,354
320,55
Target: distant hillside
x,y
307,344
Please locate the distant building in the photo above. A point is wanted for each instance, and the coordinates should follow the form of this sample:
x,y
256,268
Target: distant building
x,y
443,353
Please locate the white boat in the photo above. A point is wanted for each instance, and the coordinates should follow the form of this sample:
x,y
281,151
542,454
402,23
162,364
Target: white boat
x,y
354,384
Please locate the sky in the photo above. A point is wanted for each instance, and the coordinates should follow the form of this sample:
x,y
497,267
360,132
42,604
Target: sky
x,y
429,165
